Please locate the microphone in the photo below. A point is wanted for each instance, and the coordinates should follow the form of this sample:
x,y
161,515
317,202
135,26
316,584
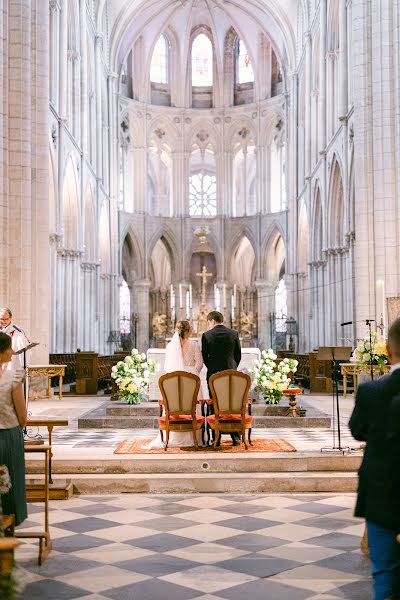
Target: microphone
x,y
21,331
347,323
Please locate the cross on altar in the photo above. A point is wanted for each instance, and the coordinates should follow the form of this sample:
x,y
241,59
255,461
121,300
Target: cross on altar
x,y
204,276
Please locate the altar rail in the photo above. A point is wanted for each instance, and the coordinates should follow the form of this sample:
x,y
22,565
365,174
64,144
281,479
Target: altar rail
x,y
89,371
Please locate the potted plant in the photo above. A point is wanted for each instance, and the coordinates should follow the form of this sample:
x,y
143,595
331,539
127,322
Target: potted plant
x,y
270,378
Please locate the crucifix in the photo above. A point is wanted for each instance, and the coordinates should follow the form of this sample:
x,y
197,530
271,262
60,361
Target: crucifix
x,y
204,276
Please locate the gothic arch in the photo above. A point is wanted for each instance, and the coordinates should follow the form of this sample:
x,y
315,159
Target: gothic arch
x,y
212,247
303,240
336,207
90,225
53,192
273,255
243,264
317,226
70,206
132,259
168,238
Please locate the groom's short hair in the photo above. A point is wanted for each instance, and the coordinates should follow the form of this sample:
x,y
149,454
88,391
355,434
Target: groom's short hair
x,y
216,316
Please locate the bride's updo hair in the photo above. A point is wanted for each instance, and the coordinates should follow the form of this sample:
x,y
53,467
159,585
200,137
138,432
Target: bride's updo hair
x,y
182,327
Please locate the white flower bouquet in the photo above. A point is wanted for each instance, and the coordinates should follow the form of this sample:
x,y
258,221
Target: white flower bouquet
x,y
132,376
271,379
371,351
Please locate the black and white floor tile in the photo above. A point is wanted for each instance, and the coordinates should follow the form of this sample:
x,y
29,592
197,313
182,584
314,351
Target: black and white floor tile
x,y
203,547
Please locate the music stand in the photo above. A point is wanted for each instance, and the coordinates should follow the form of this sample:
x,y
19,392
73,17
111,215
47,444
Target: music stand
x,y
334,354
23,351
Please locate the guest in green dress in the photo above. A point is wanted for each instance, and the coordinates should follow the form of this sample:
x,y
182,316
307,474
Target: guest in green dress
x,y
13,417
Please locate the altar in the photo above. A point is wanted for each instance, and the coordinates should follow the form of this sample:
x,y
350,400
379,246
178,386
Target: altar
x,y
249,355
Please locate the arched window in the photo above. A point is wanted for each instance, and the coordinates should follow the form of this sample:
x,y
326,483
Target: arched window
x,y
244,68
202,195
159,61
124,308
202,61
281,306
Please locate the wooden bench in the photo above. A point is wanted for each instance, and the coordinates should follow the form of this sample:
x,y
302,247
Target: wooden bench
x,y
50,424
45,544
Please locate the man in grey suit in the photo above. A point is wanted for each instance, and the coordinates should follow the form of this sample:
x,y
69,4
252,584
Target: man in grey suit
x,y
221,351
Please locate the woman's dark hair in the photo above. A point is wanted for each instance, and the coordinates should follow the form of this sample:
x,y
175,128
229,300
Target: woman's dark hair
x,y
182,328
5,342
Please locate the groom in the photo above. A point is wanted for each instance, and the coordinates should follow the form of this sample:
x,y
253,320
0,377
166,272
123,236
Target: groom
x,y
221,350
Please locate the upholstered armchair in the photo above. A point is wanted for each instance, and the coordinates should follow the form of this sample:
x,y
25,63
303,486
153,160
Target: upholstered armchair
x,y
179,391
229,391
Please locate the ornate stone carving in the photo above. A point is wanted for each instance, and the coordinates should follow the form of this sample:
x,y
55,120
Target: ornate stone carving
x,y
247,324
160,133
202,135
89,266
54,134
159,325
177,120
243,133
217,120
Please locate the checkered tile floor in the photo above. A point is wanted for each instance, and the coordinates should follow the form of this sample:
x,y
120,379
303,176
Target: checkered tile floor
x,y
205,547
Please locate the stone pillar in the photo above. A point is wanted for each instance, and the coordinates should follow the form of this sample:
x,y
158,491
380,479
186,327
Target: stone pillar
x,y
307,113
142,289
99,125
343,89
322,76
24,159
265,308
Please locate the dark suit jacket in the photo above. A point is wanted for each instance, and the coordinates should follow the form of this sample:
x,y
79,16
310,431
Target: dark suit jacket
x,y
376,420
221,349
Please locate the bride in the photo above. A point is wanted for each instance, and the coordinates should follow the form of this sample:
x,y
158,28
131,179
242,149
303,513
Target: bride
x,y
182,354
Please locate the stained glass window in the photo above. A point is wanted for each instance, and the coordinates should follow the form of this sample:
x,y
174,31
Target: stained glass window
x,y
124,308
281,307
202,195
202,61
245,73
159,61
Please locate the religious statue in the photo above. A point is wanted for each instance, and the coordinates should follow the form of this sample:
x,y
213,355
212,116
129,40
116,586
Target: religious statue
x,y
247,324
202,320
159,325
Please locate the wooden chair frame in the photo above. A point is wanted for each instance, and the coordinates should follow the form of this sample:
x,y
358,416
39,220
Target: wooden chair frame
x,y
195,424
230,426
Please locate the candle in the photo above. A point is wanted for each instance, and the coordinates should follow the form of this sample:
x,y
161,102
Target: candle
x,y
190,297
171,293
380,302
224,295
234,295
215,296
180,296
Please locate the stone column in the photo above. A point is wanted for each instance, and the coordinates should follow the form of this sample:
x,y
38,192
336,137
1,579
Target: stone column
x,y
322,76
343,89
307,112
99,125
265,307
24,158
142,289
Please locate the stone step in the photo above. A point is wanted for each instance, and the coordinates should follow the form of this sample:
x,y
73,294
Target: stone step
x,y
215,483
201,462
100,421
151,409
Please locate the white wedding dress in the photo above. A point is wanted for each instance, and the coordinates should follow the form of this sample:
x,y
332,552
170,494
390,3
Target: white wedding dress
x,y
178,357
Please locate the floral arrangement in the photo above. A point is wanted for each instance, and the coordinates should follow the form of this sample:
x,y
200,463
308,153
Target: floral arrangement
x,y
132,376
5,481
271,379
368,349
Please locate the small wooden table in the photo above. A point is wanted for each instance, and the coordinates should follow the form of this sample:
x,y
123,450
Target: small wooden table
x,y
50,371
45,544
50,424
354,369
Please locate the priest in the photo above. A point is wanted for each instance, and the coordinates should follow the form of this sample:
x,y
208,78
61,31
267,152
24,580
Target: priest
x,y
18,337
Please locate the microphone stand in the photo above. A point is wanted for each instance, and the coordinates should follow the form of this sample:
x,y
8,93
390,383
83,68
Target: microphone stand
x,y
368,323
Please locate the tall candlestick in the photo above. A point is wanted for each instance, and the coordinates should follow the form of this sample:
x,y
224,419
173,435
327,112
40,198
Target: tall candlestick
x,y
234,295
380,302
224,295
190,297
180,296
215,296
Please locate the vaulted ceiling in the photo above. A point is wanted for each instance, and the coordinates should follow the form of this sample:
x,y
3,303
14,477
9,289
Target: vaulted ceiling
x,y
279,19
